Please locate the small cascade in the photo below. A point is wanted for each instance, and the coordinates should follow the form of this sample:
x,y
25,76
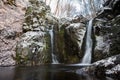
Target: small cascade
x,y
88,46
54,59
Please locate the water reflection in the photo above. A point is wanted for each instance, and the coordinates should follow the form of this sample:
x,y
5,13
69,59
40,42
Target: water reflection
x,y
44,72
7,73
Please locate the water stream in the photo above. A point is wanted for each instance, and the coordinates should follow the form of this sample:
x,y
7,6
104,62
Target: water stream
x,y
54,59
70,8
88,46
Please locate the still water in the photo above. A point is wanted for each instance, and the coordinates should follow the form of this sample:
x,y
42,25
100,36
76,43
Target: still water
x,y
44,72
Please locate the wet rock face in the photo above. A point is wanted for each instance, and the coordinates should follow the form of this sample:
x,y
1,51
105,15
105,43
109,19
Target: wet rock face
x,y
107,29
74,35
69,39
29,42
34,46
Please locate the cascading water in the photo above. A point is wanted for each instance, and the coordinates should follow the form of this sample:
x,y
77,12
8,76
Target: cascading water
x,y
71,8
88,47
54,59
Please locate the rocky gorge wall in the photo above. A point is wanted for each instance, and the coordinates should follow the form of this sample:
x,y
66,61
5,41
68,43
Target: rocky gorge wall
x,y
106,30
33,45
69,39
25,38
106,43
11,19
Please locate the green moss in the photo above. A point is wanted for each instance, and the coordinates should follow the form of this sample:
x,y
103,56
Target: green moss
x,y
20,60
47,48
29,11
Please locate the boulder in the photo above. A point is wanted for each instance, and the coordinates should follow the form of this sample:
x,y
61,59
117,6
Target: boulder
x,y
109,67
32,49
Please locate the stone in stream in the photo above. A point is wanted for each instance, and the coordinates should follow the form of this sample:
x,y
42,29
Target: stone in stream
x,y
109,67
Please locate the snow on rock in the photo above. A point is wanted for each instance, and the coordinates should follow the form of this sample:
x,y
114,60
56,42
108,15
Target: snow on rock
x,y
115,69
107,67
106,62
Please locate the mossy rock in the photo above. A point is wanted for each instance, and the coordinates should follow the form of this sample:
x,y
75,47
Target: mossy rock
x,y
32,49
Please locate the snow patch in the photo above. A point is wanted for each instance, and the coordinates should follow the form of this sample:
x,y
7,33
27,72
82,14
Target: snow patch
x,y
106,62
113,70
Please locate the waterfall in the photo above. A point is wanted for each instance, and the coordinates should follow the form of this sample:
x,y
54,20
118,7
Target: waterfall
x,y
54,59
71,8
88,46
